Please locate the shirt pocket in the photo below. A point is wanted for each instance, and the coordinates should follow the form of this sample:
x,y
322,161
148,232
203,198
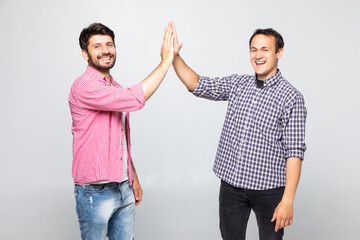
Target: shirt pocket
x,y
268,121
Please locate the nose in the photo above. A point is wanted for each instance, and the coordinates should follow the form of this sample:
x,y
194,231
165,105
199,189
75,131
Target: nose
x,y
104,50
258,55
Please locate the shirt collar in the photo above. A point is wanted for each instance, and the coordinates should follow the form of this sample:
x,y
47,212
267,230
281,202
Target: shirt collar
x,y
273,79
94,73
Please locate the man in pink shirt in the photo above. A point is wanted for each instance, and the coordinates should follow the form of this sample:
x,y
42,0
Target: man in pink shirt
x,y
107,188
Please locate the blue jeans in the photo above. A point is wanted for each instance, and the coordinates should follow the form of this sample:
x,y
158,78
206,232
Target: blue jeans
x,y
105,210
235,206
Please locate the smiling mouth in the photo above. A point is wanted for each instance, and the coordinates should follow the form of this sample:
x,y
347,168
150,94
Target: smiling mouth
x,y
259,63
108,57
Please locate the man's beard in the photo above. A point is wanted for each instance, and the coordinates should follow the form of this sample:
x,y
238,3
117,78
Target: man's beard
x,y
99,66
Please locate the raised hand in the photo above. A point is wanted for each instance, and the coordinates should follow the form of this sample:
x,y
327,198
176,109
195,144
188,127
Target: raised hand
x,y
167,48
151,83
176,44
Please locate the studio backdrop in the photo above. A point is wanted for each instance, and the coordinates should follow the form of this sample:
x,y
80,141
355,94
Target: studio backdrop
x,y
175,136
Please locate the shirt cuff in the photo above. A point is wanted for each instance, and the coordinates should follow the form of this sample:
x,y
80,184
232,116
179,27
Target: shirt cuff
x,y
139,93
200,87
295,153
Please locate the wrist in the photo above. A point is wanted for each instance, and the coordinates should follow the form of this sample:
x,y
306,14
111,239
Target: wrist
x,y
287,199
165,63
177,57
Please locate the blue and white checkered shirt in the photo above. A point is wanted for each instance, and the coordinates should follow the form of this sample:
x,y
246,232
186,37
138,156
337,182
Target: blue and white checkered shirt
x,y
263,127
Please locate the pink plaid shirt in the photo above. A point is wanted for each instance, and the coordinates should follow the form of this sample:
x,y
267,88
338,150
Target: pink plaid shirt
x,y
96,110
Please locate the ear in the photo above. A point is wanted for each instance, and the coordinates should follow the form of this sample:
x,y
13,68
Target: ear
x,y
279,53
85,55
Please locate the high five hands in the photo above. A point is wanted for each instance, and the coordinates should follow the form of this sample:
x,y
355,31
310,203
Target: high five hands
x,y
167,47
176,44
170,47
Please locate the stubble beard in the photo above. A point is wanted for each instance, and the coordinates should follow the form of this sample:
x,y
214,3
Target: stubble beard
x,y
94,61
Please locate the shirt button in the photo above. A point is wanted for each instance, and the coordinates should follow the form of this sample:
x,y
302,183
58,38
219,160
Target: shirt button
x,y
120,158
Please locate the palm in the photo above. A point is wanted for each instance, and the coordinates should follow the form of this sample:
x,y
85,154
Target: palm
x,y
176,44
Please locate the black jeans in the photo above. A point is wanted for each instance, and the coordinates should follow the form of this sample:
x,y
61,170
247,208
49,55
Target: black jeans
x,y
235,207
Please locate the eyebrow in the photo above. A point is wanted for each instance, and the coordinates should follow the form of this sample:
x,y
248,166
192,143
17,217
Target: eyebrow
x,y
260,47
98,43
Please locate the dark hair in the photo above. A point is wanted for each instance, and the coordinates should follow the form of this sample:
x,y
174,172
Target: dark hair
x,y
94,29
279,41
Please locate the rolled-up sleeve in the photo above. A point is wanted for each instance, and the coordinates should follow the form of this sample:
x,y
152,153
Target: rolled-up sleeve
x,y
294,131
98,95
217,89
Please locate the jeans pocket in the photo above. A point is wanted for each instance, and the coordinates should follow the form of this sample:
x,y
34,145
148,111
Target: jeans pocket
x,y
78,211
95,188
78,203
76,192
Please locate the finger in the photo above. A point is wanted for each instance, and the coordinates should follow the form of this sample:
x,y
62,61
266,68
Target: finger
x,y
175,41
171,25
140,197
137,197
277,225
171,41
288,222
282,223
174,30
166,38
165,32
168,33
274,217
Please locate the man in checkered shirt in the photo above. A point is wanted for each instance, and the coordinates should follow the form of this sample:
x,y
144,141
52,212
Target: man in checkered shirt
x,y
262,143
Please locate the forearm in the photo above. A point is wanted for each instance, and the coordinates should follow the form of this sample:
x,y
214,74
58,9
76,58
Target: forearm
x,y
153,81
138,192
189,78
135,177
293,171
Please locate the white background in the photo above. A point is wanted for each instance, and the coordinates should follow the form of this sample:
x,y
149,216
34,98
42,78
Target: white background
x,y
174,137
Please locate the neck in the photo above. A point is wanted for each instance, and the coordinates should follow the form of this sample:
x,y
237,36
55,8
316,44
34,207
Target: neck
x,y
263,78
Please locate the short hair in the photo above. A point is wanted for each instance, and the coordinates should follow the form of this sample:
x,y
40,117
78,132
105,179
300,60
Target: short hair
x,y
279,41
94,29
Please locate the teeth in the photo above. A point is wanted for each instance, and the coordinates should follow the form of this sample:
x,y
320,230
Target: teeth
x,y
259,62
